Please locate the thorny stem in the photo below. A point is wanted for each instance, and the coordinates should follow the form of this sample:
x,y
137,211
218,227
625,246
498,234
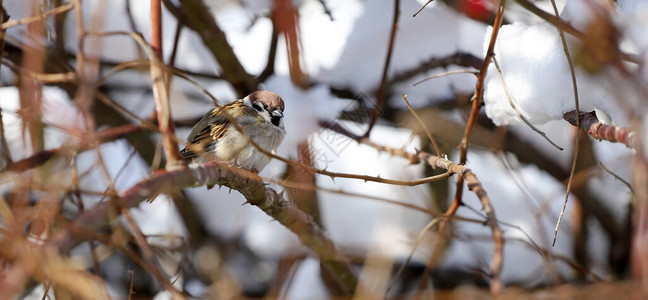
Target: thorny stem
x,y
248,184
496,284
474,185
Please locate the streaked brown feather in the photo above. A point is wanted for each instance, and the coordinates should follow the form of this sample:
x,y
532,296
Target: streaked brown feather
x,y
214,125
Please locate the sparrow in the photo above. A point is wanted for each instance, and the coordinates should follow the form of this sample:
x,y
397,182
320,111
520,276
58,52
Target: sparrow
x,y
259,116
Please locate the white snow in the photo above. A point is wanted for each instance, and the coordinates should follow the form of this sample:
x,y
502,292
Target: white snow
x,y
537,77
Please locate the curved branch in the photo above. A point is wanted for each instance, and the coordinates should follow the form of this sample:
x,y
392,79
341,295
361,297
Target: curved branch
x,y
248,184
473,183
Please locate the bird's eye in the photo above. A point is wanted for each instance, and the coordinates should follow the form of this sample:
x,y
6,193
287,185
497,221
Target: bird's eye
x,y
257,106
275,121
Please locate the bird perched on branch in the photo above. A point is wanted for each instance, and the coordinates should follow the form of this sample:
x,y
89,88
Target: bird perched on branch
x,y
259,117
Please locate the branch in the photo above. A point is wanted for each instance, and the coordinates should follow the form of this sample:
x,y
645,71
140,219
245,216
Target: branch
x,y
458,58
60,9
106,135
160,91
473,183
600,131
380,96
496,287
198,17
248,184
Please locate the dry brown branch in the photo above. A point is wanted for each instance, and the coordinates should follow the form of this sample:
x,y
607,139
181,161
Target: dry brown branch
x,y
380,96
31,90
422,7
160,90
476,107
40,158
459,59
578,123
23,21
473,183
445,74
248,184
198,17
148,256
4,146
640,221
427,132
272,54
591,124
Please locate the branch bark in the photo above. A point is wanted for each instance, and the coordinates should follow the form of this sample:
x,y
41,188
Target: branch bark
x,y
591,124
248,184
160,92
199,18
473,183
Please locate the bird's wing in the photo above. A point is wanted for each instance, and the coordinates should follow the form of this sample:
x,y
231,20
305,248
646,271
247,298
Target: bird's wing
x,y
213,126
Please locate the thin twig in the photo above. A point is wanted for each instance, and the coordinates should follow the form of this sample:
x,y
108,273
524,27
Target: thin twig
x,y
244,181
476,107
327,11
198,17
130,288
27,20
446,74
418,240
146,63
174,53
496,265
380,96
422,7
427,132
40,158
625,182
473,183
578,123
133,25
458,59
517,111
272,54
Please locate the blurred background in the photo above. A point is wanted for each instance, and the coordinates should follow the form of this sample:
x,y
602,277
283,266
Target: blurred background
x,y
77,100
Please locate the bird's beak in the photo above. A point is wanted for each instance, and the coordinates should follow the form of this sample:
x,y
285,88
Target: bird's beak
x,y
277,113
